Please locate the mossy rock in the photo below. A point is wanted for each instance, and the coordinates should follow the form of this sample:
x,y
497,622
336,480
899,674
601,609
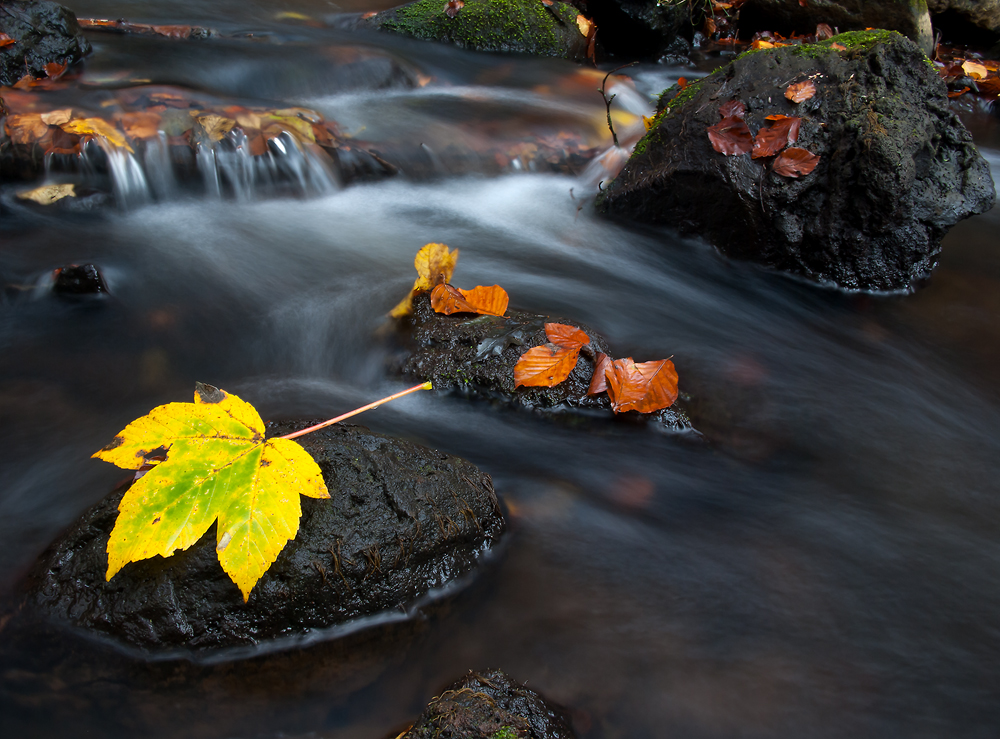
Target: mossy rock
x,y
896,166
521,26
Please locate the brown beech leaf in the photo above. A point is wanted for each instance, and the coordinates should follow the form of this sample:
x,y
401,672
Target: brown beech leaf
x,y
26,128
799,92
974,69
434,264
57,117
487,301
782,131
140,125
733,109
823,32
599,383
452,7
545,366
55,70
645,387
6,40
585,25
838,47
794,161
731,137
569,337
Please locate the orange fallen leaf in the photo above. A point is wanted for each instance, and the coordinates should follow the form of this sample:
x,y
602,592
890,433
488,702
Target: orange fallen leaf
x,y
838,47
761,44
55,70
974,69
769,141
569,337
958,93
585,25
26,128
731,137
733,109
795,161
545,366
6,40
645,387
799,92
599,382
140,125
487,301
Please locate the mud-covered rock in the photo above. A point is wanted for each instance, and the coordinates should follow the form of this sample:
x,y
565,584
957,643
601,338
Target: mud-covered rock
x,y
524,26
44,33
908,17
475,356
489,705
402,520
897,168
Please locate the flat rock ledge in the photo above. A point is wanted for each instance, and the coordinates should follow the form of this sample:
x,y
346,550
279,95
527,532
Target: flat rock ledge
x,y
897,168
403,521
489,705
475,356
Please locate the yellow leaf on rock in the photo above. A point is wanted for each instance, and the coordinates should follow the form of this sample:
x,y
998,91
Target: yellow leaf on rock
x,y
48,194
218,466
435,264
584,24
98,128
216,126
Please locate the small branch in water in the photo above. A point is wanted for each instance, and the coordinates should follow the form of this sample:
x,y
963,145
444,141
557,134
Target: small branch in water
x,y
362,409
607,100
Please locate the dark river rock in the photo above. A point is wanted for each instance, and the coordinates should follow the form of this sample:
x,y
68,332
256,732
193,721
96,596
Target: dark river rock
x,y
44,32
475,356
524,26
489,705
403,521
897,168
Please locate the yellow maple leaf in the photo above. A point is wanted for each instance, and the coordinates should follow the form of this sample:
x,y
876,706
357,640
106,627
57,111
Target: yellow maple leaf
x,y
435,264
218,466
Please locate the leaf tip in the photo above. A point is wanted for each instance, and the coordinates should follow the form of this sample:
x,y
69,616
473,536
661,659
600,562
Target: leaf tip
x,y
427,385
205,393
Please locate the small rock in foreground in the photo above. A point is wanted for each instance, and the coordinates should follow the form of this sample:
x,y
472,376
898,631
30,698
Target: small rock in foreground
x,y
489,705
896,166
475,356
402,520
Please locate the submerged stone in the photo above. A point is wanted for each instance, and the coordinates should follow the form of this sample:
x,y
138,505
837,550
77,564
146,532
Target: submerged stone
x,y
44,33
897,168
525,26
475,356
75,280
489,705
402,521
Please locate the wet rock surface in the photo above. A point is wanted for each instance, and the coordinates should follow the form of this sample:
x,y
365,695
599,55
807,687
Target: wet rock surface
x,y
44,33
524,26
640,29
982,14
489,705
475,356
75,280
897,168
908,17
402,520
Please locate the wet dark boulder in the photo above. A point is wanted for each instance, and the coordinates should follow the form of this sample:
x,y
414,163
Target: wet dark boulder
x,y
475,356
523,26
489,705
897,168
75,280
967,22
44,33
402,520
908,17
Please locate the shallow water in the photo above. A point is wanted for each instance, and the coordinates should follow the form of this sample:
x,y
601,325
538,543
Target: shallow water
x,y
828,565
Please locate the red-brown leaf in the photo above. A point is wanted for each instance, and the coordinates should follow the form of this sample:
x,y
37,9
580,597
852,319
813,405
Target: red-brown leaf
x,y
823,32
794,161
645,387
730,136
599,383
6,40
569,337
545,366
55,69
452,7
733,109
782,131
799,92
489,301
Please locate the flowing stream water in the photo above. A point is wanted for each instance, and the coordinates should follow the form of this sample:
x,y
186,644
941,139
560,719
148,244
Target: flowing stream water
x,y
826,564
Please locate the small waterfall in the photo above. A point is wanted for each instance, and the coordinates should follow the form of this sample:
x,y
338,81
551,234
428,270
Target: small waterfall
x,y
158,170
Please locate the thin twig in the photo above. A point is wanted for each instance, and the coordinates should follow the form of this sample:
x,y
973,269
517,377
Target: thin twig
x,y
607,100
362,409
